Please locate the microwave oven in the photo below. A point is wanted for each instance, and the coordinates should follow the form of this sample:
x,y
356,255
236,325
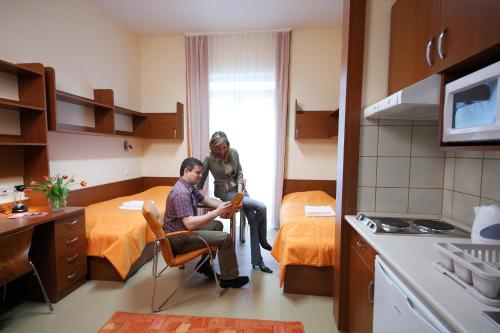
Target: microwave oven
x,y
472,107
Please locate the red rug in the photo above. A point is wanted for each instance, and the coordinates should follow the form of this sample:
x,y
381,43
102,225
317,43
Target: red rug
x,y
126,322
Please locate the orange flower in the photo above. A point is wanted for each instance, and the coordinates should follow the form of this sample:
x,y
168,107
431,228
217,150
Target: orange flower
x,y
65,177
49,187
45,178
83,183
33,183
27,190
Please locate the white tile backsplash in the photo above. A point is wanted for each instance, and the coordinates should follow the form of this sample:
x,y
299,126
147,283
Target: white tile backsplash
x,y
395,122
368,141
491,180
366,199
367,175
492,154
425,142
394,141
391,200
425,201
469,154
468,176
463,207
449,173
393,171
427,172
447,203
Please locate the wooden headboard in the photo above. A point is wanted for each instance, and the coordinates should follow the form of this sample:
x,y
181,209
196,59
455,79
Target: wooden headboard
x,y
300,185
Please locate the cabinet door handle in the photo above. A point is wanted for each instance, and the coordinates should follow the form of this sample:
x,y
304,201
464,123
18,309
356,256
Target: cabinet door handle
x,y
360,245
72,276
72,241
441,41
175,133
371,296
71,224
430,62
72,259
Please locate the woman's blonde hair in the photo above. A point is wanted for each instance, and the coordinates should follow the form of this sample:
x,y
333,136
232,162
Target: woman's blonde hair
x,y
217,139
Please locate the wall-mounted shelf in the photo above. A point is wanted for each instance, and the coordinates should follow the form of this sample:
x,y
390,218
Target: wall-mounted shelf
x,y
20,69
139,122
10,104
167,125
315,124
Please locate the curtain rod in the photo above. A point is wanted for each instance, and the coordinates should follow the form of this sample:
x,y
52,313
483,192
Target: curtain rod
x,y
235,32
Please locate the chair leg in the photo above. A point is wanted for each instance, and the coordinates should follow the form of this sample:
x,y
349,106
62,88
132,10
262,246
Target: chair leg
x,y
41,287
217,282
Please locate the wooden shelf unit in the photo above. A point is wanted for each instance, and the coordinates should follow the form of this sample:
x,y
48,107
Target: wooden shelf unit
x,y
315,124
167,125
139,120
30,147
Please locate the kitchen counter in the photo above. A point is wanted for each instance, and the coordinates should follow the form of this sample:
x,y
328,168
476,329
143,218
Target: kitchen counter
x,y
412,257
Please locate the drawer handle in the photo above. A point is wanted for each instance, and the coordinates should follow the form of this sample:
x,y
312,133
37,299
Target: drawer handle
x,y
72,276
371,297
70,242
71,224
72,259
360,245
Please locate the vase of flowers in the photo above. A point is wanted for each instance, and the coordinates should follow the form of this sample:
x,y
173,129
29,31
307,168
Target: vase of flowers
x,y
56,189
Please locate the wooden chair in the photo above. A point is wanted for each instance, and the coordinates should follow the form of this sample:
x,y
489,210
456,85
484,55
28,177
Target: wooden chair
x,y
162,244
14,261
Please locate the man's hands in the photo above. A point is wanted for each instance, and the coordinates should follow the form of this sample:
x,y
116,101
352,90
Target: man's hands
x,y
224,210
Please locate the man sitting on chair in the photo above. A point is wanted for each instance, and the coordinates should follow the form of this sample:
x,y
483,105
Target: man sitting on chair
x,y
181,214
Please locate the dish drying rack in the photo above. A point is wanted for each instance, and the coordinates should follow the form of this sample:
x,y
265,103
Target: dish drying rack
x,y
474,266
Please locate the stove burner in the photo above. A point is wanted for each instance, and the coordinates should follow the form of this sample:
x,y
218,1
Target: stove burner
x,y
393,225
433,226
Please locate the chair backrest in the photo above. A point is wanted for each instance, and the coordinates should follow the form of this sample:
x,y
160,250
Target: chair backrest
x,y
152,216
14,250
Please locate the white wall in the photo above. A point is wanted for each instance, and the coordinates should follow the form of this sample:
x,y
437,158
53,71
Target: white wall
x,y
163,84
314,82
88,50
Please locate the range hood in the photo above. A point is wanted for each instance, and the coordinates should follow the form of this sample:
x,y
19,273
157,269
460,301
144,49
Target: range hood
x,y
420,101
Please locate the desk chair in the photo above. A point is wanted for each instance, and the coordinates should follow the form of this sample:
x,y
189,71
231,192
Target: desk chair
x,y
14,261
162,244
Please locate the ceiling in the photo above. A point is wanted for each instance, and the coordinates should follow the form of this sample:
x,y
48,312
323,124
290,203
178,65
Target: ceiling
x,y
174,17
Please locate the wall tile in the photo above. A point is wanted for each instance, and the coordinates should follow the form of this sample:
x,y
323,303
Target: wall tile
x,y
449,173
424,142
469,154
366,199
425,123
427,201
427,172
368,141
450,154
392,200
468,176
367,121
463,207
367,175
393,171
447,203
395,122
491,179
394,141
485,201
492,154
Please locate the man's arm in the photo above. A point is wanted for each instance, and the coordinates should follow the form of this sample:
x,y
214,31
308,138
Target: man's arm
x,y
196,222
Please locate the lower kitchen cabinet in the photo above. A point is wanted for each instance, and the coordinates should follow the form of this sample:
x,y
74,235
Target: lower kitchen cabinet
x,y
361,284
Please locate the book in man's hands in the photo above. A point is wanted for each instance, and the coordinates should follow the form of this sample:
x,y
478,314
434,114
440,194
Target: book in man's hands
x,y
236,201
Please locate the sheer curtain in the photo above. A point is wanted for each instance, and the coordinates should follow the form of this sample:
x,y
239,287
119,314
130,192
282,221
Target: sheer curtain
x,y
242,103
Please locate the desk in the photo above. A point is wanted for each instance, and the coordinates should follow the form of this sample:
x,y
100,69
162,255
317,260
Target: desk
x,y
58,247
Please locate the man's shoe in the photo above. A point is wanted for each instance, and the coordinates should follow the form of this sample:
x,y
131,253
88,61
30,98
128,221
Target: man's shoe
x,y
238,282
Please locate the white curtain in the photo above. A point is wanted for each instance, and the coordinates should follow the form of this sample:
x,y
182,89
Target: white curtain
x,y
242,103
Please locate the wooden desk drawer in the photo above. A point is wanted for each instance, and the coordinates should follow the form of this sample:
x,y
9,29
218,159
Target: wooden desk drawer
x,y
70,239
71,257
67,225
365,251
70,275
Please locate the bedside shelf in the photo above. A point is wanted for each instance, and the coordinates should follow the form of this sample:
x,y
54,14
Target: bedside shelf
x,y
315,124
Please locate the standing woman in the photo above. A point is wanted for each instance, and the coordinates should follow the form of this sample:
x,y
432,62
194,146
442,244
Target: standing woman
x,y
224,164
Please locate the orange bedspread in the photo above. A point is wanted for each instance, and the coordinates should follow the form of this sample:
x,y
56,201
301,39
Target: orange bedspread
x,y
303,240
121,235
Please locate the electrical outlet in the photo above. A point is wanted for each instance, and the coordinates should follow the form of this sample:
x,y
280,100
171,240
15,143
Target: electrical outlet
x,y
4,190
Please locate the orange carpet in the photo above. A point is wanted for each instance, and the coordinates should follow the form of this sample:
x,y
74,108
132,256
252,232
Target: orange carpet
x,y
126,322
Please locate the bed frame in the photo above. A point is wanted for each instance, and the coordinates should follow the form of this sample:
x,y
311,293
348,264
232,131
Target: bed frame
x,y
301,279
100,268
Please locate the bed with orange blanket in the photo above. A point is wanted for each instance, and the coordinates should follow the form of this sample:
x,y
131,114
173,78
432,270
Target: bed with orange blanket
x,y
304,246
119,241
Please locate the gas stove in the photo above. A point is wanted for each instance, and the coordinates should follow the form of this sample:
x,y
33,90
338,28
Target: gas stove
x,y
411,226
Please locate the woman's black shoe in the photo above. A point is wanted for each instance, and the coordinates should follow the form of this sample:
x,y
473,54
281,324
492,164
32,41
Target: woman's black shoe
x,y
267,246
263,268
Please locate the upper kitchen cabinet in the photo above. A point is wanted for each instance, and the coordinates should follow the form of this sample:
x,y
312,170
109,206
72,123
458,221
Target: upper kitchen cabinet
x,y
431,36
412,55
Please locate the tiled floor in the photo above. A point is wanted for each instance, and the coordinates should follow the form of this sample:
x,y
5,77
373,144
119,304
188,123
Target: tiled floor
x,y
90,306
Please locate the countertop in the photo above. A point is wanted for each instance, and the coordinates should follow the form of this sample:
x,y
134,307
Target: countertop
x,y
412,258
